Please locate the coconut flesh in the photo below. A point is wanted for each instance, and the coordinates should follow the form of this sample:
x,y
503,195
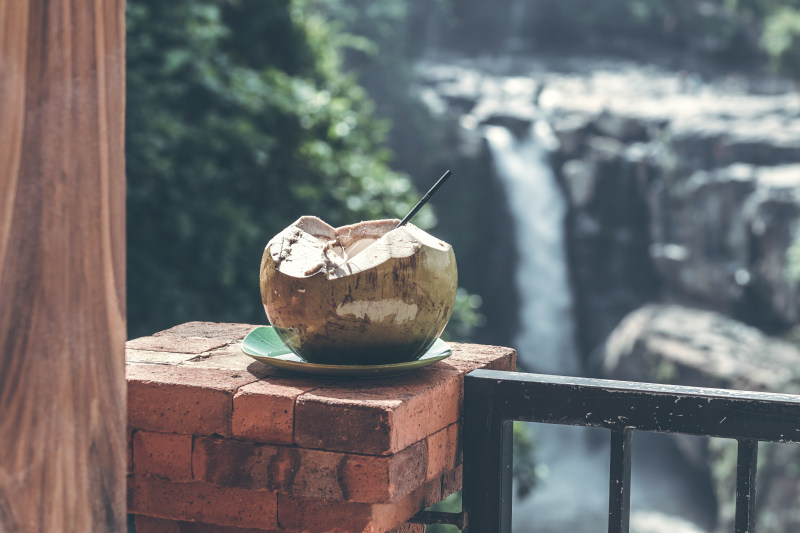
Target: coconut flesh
x,y
368,293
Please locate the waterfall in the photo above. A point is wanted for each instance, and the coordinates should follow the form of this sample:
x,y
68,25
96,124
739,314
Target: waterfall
x,y
573,497
546,340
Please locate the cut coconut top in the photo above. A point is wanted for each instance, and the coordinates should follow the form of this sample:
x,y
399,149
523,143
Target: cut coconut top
x,y
311,246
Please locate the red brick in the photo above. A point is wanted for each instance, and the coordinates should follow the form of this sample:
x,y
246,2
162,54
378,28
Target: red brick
x,y
129,449
164,455
407,471
315,474
225,331
174,399
321,516
409,528
452,481
196,501
318,516
469,357
174,344
331,476
155,358
335,420
232,463
197,527
311,474
229,357
379,416
321,475
444,450
364,478
264,411
148,524
191,338
428,494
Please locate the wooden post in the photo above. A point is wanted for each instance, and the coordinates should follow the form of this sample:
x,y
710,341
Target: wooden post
x,y
62,266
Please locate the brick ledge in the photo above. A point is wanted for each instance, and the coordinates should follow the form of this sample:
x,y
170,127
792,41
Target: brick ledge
x,y
219,442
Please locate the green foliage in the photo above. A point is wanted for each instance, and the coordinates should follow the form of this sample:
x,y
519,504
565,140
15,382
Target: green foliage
x,y
467,316
239,120
759,9
451,504
781,39
526,471
778,22
386,38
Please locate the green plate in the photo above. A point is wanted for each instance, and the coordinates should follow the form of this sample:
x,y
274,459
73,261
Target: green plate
x,y
263,344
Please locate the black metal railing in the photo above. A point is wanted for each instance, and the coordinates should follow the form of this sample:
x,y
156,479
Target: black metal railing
x,y
494,399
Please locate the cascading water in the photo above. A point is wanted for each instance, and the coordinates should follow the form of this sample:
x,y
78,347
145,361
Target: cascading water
x,y
573,497
546,340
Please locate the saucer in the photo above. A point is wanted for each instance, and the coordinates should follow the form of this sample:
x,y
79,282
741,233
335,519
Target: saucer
x,y
263,344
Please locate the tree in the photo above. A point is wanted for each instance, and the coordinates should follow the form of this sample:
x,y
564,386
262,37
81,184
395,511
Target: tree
x,y
239,120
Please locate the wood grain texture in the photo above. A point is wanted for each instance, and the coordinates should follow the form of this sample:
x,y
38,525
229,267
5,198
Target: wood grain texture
x,y
62,266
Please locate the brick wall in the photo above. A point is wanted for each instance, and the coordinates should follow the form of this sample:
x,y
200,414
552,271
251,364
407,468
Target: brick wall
x,y
220,443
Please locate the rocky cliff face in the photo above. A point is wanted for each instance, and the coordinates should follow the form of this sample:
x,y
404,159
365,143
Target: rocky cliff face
x,y
679,190
721,239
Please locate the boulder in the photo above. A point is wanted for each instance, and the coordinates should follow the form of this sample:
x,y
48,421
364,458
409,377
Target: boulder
x,y
667,343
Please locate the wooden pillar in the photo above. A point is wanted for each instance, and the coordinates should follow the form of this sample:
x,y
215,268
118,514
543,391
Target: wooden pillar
x,y
62,266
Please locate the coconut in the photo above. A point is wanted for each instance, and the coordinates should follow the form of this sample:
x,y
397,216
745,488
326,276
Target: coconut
x,y
368,293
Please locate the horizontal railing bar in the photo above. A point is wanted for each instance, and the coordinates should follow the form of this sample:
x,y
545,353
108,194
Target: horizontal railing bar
x,y
642,406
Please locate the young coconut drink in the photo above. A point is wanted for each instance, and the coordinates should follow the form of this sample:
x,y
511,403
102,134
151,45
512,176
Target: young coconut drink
x,y
370,293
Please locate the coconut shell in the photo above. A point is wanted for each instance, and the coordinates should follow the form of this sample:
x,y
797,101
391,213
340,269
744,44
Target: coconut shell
x,y
361,294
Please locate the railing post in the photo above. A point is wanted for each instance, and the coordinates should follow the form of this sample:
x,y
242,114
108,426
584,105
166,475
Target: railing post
x,y
488,448
746,486
619,490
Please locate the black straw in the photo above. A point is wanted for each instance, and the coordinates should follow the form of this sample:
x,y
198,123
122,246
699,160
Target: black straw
x,y
425,198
